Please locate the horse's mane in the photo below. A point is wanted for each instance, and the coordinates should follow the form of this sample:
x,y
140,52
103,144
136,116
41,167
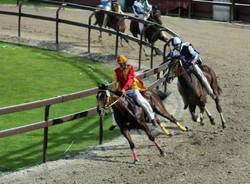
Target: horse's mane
x,y
118,93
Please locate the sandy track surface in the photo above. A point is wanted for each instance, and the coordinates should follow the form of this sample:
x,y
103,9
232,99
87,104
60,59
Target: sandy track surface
x,y
207,154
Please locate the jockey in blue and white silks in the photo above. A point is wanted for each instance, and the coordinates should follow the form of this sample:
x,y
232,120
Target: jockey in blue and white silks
x,y
190,57
142,11
106,5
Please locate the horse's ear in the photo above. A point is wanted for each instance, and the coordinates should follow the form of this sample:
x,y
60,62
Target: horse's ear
x,y
98,84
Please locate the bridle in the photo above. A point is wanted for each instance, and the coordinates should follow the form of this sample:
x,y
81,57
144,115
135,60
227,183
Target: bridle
x,y
109,104
179,74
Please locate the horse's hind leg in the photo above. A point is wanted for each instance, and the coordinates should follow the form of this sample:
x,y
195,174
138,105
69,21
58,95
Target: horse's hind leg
x,y
161,110
217,91
152,138
219,109
126,134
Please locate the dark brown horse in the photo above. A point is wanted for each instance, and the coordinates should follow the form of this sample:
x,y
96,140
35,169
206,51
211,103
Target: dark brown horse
x,y
115,22
193,92
129,115
151,32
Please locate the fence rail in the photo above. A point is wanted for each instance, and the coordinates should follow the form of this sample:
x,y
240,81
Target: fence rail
x,y
60,99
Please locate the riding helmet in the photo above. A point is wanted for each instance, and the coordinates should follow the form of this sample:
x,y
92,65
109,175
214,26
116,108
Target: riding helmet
x,y
122,59
176,41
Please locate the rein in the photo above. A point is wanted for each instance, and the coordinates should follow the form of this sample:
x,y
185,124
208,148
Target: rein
x,y
108,95
110,105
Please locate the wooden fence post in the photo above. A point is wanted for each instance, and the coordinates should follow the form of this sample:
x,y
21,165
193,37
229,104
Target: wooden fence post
x,y
45,139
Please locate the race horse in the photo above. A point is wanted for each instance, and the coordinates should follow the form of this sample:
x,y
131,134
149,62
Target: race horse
x,y
115,22
151,32
129,115
193,92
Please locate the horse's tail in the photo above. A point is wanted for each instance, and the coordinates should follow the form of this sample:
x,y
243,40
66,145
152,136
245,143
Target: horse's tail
x,y
219,90
162,95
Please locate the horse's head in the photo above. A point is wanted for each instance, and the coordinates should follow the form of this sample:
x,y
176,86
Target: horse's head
x,y
116,7
174,69
102,97
155,15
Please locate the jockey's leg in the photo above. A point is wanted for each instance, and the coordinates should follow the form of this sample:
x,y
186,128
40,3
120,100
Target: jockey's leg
x,y
136,95
204,80
105,19
141,25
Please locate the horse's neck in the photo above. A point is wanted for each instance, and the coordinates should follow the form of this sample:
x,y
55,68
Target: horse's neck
x,y
184,77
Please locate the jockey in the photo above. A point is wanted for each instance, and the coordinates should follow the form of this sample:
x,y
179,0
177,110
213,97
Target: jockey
x,y
126,82
106,5
190,57
142,11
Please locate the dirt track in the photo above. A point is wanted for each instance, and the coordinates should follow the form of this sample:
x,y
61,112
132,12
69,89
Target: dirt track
x,y
205,155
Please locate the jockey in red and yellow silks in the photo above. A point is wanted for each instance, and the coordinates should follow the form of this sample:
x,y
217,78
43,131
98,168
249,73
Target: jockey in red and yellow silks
x,y
126,79
126,82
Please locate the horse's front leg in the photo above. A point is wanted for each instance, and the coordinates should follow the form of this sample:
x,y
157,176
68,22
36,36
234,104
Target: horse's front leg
x,y
126,134
152,138
209,116
192,112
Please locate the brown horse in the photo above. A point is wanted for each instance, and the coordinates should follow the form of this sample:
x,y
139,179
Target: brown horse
x,y
129,115
151,32
193,92
115,22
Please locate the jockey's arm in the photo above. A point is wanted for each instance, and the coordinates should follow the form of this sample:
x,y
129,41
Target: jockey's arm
x,y
116,84
194,54
130,78
175,54
149,6
136,10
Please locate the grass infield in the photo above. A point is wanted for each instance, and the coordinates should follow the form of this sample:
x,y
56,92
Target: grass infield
x,y
29,74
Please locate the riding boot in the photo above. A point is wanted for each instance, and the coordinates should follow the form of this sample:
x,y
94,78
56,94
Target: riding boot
x,y
204,81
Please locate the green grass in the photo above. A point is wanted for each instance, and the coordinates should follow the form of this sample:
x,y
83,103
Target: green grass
x,y
29,74
8,2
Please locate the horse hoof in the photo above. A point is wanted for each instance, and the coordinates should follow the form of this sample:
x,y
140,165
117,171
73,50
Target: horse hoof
x,y
170,134
212,121
162,153
201,123
188,128
136,161
224,126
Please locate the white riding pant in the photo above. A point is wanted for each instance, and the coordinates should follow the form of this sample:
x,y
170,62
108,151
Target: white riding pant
x,y
105,19
203,78
136,95
142,17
